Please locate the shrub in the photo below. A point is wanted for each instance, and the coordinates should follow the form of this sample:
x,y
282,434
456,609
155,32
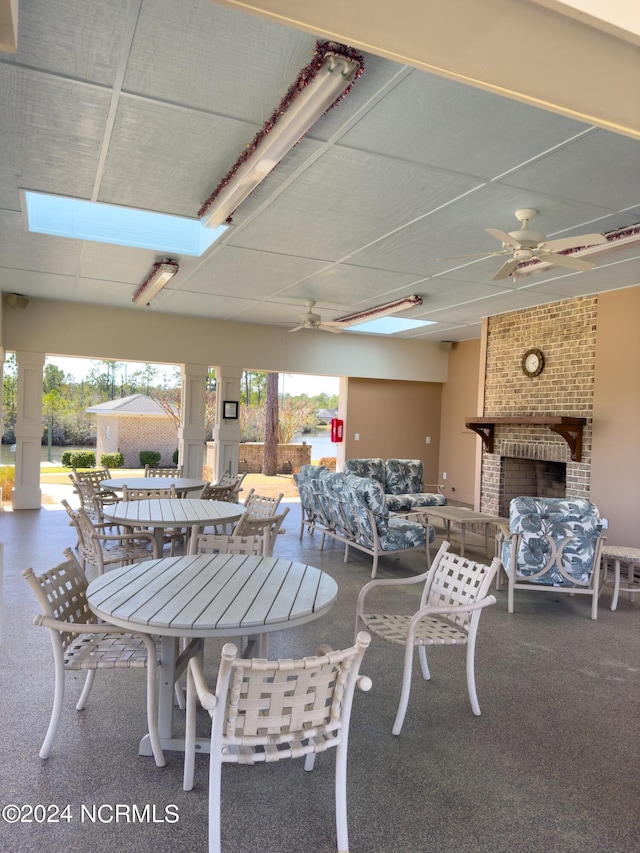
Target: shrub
x,y
175,456
112,460
7,480
329,461
66,458
150,457
83,459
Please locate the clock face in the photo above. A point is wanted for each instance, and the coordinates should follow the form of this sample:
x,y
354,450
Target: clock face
x,y
532,362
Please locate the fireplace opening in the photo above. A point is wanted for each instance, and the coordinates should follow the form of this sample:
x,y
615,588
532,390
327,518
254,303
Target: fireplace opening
x,y
531,478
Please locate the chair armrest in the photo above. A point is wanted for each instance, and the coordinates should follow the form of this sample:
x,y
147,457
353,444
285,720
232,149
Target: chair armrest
x,y
430,487
450,609
145,535
206,697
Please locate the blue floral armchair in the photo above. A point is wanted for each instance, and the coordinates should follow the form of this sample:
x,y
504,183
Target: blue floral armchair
x,y
554,545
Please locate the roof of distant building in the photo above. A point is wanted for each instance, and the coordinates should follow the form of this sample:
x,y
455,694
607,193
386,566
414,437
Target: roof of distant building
x,y
134,404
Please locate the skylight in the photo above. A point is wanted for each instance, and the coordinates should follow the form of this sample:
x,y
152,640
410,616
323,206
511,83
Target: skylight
x,y
389,325
124,226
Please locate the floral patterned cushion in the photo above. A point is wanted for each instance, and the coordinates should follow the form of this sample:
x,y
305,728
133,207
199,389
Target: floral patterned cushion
x,y
543,520
402,503
403,476
372,468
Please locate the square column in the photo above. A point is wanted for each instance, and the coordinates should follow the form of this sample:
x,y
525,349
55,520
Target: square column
x,y
26,491
226,433
191,432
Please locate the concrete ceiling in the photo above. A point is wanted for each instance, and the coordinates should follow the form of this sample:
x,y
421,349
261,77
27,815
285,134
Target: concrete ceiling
x,y
148,103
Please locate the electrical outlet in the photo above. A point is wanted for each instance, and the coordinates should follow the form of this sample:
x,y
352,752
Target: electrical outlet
x,y
444,475
605,523
356,436
428,439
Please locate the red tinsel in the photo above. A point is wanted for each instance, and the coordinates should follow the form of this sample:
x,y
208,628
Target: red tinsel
x,y
305,76
611,236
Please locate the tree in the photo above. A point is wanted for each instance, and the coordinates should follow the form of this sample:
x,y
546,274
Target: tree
x,y
270,453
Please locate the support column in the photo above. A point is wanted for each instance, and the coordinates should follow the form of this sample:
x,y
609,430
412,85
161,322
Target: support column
x,y
226,433
26,491
191,432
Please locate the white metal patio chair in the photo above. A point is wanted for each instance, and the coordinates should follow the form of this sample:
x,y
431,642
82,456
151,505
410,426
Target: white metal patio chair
x,y
270,710
454,593
150,471
260,506
100,549
80,642
266,527
224,543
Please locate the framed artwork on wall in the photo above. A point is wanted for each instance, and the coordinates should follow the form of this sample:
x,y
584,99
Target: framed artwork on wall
x,y
229,409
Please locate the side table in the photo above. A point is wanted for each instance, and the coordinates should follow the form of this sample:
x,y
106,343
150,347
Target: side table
x,y
621,554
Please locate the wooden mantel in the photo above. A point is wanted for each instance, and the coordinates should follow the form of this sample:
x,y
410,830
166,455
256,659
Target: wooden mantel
x,y
569,428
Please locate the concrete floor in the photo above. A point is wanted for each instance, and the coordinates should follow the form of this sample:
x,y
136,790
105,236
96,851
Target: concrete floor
x,y
551,766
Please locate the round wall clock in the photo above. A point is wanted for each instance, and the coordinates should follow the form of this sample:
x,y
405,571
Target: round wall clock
x,y
532,362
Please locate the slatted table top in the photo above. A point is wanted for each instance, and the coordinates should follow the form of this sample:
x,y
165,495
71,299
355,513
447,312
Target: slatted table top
x,y
212,595
173,512
182,484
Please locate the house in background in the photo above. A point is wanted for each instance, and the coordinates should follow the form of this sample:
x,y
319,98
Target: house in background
x,y
132,424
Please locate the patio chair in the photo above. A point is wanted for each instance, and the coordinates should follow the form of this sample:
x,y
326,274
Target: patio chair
x,y
261,506
218,492
80,642
100,549
268,527
454,593
150,471
554,546
93,498
222,543
264,711
172,535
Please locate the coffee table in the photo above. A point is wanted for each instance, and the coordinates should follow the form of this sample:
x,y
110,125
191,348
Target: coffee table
x,y
463,517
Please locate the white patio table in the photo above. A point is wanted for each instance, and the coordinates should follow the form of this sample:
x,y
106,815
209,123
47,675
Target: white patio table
x,y
205,595
160,513
183,485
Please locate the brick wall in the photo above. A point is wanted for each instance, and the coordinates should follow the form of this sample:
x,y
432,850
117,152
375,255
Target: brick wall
x,y
290,457
146,433
566,334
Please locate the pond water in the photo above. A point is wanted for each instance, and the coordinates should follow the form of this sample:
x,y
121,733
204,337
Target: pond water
x,y
9,458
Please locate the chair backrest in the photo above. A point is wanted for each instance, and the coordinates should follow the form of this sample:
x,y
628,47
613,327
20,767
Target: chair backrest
x,y
222,543
261,506
62,594
455,580
87,493
89,547
278,703
217,492
150,471
269,527
147,494
95,476
558,539
403,476
233,480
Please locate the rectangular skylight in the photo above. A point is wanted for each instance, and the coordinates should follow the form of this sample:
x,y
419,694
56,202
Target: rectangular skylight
x,y
123,226
389,325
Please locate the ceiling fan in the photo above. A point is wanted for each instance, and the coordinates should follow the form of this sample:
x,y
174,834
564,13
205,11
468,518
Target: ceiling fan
x,y
529,245
310,320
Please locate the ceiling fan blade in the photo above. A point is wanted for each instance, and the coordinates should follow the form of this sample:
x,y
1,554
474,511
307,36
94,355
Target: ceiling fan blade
x,y
327,328
296,328
582,241
474,255
505,270
566,261
505,238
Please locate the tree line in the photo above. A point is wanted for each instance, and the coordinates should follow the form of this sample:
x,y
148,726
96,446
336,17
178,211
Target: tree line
x,y
65,421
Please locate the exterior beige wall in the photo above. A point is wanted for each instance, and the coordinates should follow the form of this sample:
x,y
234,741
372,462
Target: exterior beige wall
x,y
146,433
459,446
393,419
615,472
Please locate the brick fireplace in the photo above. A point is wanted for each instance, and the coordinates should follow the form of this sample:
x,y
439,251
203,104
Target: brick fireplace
x,y
528,456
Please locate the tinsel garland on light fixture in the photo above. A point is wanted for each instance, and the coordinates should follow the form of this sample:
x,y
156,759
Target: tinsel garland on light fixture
x,y
305,76
154,271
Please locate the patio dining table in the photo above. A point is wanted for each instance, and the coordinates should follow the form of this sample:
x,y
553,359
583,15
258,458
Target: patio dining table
x,y
183,485
207,595
160,513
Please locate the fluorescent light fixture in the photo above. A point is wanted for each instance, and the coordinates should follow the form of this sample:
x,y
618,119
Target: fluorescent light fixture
x,y
61,216
335,74
388,325
381,310
160,274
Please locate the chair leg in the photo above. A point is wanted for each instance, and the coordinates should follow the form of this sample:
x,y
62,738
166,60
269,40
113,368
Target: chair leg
x,y
341,798
152,702
190,734
406,690
215,786
471,677
58,698
424,666
88,684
